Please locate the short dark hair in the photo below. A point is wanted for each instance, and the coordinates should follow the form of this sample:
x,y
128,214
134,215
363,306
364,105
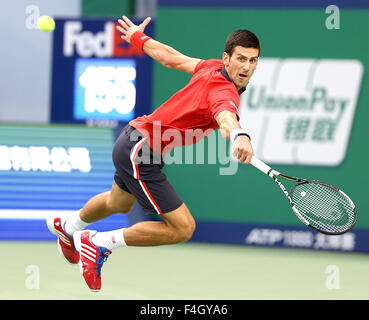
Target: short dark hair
x,y
243,38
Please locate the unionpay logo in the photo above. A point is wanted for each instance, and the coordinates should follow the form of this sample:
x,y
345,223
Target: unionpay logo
x,y
300,111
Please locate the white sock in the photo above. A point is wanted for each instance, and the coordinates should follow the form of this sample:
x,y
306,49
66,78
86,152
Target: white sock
x,y
109,239
74,223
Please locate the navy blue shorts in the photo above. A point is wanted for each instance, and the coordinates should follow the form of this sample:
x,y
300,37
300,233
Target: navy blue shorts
x,y
138,171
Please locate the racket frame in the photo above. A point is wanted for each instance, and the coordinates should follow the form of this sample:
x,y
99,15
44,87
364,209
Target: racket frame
x,y
263,167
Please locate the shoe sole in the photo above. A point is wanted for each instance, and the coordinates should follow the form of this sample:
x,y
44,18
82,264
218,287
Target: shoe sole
x,y
77,244
50,226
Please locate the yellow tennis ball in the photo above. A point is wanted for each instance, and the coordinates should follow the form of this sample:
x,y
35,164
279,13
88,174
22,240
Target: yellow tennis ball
x,y
46,23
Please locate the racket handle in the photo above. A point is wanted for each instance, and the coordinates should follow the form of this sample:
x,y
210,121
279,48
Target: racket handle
x,y
258,164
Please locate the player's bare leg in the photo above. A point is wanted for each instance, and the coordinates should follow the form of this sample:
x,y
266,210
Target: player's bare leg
x,y
107,203
178,226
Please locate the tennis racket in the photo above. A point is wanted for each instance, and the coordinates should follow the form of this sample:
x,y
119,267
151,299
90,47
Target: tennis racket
x,y
318,205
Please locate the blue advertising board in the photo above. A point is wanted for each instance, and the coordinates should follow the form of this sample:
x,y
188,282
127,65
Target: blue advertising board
x,y
96,75
282,236
52,169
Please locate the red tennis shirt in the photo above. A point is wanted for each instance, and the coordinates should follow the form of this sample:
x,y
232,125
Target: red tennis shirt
x,y
189,115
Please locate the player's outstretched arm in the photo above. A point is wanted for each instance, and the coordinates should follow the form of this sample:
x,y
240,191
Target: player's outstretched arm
x,y
162,53
229,127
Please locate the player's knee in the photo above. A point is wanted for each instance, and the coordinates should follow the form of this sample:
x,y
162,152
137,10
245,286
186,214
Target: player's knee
x,y
190,231
119,205
192,225
186,232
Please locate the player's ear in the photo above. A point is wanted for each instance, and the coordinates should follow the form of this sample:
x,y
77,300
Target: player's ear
x,y
225,59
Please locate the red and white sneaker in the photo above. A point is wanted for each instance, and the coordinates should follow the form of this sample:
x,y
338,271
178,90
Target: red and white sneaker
x,y
65,241
92,258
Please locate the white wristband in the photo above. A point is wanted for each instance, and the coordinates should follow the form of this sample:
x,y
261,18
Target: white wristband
x,y
238,132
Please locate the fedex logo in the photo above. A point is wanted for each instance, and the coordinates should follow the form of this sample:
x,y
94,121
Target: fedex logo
x,y
106,43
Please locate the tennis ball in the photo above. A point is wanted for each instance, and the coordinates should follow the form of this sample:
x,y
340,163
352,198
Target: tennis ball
x,y
46,23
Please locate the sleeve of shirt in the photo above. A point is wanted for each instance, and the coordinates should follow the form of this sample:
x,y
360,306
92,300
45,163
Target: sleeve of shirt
x,y
206,63
220,100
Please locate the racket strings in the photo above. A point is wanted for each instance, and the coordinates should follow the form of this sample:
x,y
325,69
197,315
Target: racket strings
x,y
324,207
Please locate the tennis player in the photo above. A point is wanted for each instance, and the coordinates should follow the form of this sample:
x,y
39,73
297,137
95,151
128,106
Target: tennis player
x,y
209,101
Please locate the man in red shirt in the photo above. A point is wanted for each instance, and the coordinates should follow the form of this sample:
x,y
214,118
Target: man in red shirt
x,y
209,101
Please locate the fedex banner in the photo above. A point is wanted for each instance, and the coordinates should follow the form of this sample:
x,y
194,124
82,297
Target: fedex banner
x,y
96,75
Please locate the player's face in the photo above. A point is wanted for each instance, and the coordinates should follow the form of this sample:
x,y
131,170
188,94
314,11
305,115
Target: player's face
x,y
241,65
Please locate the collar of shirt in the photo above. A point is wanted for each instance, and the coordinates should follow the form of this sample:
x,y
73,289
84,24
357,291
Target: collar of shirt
x,y
225,75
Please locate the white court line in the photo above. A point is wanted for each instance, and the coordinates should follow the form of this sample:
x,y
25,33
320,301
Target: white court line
x,y
32,214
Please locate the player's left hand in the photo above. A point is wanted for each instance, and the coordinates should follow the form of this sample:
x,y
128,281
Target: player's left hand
x,y
127,27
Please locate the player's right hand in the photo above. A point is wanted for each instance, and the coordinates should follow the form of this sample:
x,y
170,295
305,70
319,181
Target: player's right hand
x,y
242,149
